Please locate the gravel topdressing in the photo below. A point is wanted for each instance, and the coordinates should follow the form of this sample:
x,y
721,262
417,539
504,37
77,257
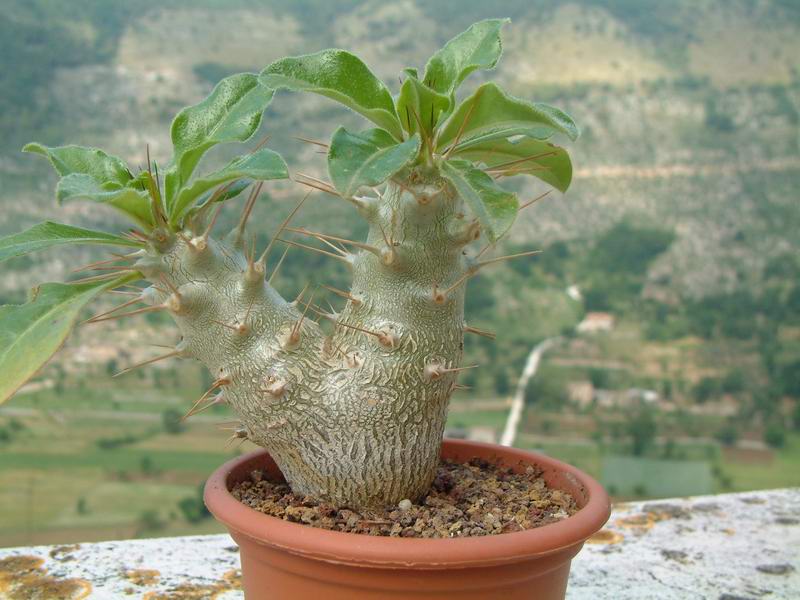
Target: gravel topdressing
x,y
472,499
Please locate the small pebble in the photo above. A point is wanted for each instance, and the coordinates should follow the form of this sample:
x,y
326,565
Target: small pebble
x,y
473,499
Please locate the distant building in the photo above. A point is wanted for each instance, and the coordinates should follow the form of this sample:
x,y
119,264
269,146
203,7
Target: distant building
x,y
580,393
646,396
574,292
596,321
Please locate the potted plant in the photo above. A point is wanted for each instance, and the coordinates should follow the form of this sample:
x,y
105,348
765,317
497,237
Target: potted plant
x,y
351,413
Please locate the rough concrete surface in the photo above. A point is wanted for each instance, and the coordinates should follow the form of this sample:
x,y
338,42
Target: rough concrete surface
x,y
726,547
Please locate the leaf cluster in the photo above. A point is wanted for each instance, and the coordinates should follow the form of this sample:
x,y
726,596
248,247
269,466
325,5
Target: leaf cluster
x,y
470,143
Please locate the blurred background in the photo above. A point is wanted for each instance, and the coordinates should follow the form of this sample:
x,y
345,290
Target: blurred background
x,y
668,292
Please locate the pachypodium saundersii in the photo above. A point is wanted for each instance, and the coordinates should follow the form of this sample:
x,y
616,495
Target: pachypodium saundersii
x,y
353,412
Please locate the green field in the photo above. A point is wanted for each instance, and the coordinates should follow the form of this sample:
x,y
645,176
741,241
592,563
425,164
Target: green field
x,y
59,484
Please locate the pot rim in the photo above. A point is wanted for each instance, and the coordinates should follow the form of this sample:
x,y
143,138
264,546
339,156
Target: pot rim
x,y
431,553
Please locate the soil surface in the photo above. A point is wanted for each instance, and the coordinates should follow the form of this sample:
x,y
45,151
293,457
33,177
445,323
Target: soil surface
x,y
472,499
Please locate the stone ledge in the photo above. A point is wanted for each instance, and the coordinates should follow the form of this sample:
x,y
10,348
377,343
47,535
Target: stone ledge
x,y
726,547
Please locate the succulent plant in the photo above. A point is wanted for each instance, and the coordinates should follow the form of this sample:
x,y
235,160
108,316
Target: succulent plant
x,y
353,412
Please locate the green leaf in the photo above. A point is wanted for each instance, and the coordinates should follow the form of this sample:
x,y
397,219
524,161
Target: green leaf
x,y
133,202
417,103
31,333
100,166
494,207
261,165
479,47
490,114
368,158
48,234
527,156
231,113
91,173
338,75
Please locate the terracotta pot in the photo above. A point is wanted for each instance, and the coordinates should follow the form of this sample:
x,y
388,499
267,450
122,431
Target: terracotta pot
x,y
283,560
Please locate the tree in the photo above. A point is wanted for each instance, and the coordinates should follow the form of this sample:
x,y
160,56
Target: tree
x,y
501,384
425,178
172,420
193,508
705,389
641,427
149,521
728,434
775,435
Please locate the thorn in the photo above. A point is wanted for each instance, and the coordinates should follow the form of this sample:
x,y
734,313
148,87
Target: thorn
x,y
195,245
113,268
482,332
343,294
239,433
322,237
308,141
261,144
484,249
132,313
213,222
248,208
294,336
218,399
463,125
387,339
440,296
286,221
116,308
98,263
471,233
214,386
148,362
301,294
330,306
382,337
490,261
255,271
527,204
326,187
457,386
137,289
435,370
219,191
310,181
387,258
104,277
502,166
275,387
313,249
278,266
170,285
138,235
404,187
224,425
232,327
242,328
459,369
158,182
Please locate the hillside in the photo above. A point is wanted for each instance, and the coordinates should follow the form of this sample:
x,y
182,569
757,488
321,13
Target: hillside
x,y
680,228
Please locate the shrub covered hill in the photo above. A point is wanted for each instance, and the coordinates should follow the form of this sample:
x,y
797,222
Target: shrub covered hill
x,y
683,215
